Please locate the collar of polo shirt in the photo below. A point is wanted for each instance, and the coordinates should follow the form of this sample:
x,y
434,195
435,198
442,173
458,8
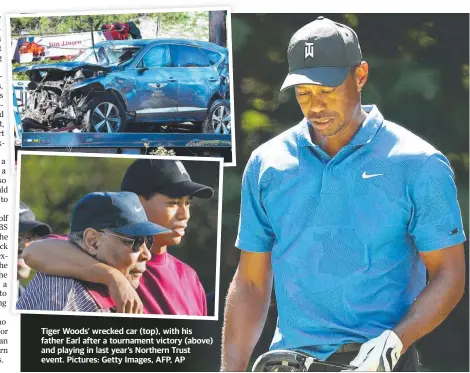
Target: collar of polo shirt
x,y
364,135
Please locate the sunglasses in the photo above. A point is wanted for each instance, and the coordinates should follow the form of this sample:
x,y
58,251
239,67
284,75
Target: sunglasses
x,y
134,242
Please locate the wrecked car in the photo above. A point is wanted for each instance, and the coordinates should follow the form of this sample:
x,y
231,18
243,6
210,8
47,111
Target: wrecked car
x,y
114,84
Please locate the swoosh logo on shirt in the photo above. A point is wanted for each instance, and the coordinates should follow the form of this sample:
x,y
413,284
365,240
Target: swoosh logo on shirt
x,y
137,209
368,176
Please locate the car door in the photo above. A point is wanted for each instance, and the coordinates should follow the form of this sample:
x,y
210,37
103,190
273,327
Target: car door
x,y
197,80
220,62
156,88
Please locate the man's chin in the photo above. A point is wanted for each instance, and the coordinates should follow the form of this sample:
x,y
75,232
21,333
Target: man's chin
x,y
170,241
175,241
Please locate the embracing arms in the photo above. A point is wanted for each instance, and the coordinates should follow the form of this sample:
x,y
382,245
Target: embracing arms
x,y
62,258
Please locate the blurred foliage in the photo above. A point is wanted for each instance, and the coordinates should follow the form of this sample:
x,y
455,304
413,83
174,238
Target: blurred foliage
x,y
418,77
51,185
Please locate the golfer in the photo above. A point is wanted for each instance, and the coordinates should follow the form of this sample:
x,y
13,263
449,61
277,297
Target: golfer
x,y
346,211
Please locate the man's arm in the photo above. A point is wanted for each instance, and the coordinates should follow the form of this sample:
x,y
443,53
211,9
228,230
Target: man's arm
x,y
446,269
246,309
437,232
62,258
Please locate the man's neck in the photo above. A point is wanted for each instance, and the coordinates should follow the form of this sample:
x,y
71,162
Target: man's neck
x,y
158,250
331,145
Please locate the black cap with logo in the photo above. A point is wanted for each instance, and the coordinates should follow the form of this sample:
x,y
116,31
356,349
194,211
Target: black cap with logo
x,y
28,222
322,53
167,177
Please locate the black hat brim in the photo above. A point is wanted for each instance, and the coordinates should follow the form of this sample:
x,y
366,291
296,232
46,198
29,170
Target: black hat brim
x,y
324,76
37,227
186,188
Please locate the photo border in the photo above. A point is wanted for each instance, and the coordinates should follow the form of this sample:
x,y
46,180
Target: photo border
x,y
14,298
9,56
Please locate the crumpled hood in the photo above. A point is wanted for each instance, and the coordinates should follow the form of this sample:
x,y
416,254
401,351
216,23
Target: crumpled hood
x,y
61,66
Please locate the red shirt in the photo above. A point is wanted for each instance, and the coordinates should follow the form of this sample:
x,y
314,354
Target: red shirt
x,y
100,295
171,287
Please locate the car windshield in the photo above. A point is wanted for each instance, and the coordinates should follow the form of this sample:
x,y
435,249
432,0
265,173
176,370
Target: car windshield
x,y
108,55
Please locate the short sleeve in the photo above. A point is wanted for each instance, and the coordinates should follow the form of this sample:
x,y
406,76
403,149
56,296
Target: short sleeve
x,y
255,233
436,221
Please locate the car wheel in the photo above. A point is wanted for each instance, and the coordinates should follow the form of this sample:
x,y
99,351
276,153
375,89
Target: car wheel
x,y
105,114
216,119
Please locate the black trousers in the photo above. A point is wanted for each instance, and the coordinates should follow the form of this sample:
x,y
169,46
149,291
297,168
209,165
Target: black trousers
x,y
408,362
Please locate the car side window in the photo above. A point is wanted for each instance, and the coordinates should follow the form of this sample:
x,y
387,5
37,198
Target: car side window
x,y
158,56
214,57
186,56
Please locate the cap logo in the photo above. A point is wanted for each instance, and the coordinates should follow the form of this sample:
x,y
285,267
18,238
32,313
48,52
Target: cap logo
x,y
137,209
308,50
181,168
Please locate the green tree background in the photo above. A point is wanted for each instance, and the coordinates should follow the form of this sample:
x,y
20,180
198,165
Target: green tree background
x,y
71,24
51,185
418,65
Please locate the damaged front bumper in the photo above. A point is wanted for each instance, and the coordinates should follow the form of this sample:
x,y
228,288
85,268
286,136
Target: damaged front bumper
x,y
57,95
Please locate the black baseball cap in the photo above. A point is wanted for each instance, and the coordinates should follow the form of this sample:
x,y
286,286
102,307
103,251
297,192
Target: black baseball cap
x,y
28,222
119,212
322,53
167,177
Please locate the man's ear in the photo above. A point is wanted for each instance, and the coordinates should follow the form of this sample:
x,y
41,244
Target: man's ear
x,y
90,241
361,75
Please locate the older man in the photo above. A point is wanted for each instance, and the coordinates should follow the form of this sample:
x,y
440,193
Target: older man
x,y
113,229
346,211
169,286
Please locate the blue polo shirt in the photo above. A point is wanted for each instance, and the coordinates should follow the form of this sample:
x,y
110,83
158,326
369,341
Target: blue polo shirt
x,y
345,232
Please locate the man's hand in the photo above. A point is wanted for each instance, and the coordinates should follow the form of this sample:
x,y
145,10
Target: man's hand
x,y
123,294
379,354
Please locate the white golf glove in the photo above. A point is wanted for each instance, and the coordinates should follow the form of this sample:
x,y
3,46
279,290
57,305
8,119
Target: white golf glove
x,y
379,354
